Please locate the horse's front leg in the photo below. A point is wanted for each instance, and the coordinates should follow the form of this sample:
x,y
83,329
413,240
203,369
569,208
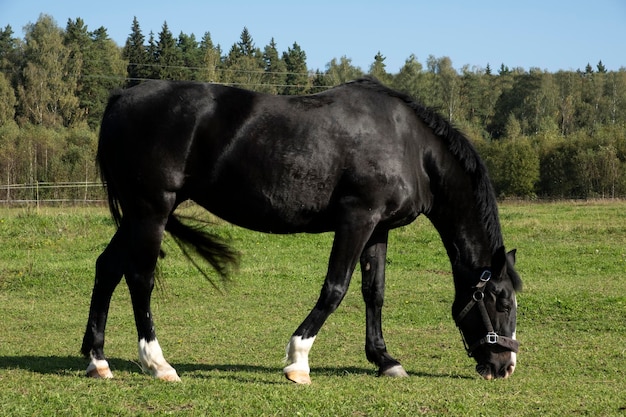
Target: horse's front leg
x,y
347,246
373,261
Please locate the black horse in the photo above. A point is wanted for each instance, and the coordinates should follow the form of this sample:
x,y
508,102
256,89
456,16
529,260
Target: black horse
x,y
358,160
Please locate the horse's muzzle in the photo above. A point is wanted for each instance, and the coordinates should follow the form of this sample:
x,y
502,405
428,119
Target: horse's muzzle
x,y
503,367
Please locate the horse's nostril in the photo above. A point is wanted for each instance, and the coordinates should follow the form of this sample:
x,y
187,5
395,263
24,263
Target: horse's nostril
x,y
485,371
510,369
507,371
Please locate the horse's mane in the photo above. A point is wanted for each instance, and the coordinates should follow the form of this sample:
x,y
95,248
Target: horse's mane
x,y
460,146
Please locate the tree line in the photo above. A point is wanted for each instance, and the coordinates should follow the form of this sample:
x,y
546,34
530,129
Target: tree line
x,y
551,135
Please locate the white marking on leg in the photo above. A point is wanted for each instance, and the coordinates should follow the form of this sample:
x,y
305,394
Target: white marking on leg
x,y
98,368
297,360
153,362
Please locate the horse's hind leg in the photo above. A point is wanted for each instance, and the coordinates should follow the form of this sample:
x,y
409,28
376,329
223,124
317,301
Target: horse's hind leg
x,y
373,261
109,270
133,253
144,251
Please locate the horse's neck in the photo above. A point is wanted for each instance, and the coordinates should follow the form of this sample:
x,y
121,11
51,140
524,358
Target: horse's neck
x,y
458,219
465,240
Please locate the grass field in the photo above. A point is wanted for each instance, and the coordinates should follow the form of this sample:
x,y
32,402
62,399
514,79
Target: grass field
x,y
228,347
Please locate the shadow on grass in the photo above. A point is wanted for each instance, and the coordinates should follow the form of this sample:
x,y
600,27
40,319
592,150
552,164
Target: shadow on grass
x,y
189,369
44,364
73,365
257,374
60,365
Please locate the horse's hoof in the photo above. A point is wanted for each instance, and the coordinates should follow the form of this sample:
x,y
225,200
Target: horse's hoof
x,y
299,377
395,372
169,377
102,372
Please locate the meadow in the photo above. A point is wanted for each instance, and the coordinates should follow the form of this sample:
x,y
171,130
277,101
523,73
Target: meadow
x,y
228,345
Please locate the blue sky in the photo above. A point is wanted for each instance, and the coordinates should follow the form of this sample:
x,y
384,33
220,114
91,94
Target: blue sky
x,y
546,34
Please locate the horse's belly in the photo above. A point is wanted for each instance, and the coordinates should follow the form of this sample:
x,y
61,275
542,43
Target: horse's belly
x,y
272,213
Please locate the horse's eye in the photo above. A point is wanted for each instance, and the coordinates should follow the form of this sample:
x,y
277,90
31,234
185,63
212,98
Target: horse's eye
x,y
503,305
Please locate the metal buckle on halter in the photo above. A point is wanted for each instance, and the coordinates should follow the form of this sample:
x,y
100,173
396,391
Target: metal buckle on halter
x,y
478,296
491,338
485,276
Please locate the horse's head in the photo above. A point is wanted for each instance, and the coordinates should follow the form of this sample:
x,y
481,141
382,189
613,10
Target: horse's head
x,y
485,310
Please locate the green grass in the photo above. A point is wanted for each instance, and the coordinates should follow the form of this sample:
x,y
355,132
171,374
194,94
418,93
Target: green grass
x,y
228,348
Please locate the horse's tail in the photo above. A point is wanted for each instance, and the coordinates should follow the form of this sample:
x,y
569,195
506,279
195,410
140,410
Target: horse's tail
x,y
105,173
190,236
213,248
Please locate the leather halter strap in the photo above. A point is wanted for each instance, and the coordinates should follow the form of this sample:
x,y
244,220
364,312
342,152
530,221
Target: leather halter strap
x,y
491,338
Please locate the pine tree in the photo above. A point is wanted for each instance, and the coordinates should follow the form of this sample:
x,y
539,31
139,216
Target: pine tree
x,y
478,97
168,56
77,39
211,60
378,68
152,69
590,112
320,82
104,71
297,78
246,44
191,55
275,69
244,65
135,53
8,50
9,71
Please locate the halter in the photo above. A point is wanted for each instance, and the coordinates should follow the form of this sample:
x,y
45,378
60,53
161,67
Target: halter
x,y
491,338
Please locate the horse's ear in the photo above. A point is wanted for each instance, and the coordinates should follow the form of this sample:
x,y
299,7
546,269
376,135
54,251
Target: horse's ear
x,y
511,256
515,278
498,261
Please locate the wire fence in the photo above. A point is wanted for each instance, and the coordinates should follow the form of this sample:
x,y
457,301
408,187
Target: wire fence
x,y
94,193
49,193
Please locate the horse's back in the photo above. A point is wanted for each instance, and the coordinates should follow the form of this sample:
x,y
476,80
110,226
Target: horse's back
x,y
271,163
